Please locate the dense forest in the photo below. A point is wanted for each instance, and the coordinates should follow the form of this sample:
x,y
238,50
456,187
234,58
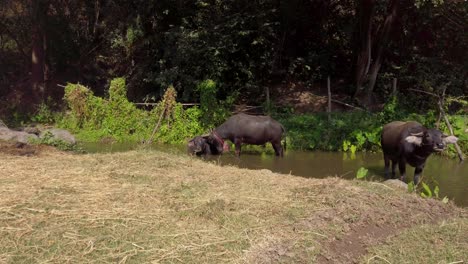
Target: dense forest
x,y
244,47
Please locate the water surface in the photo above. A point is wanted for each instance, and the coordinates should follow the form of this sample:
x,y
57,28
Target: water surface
x,y
450,175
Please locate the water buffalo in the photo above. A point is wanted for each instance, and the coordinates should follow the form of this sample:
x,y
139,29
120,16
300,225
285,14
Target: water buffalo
x,y
248,129
412,143
201,145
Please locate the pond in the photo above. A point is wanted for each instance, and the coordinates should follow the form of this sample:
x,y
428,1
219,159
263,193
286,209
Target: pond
x,y
450,175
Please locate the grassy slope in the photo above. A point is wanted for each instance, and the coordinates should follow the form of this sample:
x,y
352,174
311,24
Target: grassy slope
x,y
147,206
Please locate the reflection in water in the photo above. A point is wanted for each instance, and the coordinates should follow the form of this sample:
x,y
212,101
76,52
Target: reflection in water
x,y
449,174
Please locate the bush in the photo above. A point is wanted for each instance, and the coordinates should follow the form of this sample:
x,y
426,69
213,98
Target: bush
x,y
49,139
356,130
214,112
93,118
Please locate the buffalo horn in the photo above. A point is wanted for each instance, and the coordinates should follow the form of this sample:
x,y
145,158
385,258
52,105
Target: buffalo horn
x,y
420,134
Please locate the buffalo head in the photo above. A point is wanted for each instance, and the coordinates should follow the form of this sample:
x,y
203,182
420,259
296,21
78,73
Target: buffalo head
x,y
197,145
205,145
431,138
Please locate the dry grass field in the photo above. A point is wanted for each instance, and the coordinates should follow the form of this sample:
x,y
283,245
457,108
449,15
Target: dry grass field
x,y
153,207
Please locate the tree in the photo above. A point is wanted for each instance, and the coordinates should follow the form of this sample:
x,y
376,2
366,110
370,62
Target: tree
x,y
368,62
365,11
38,47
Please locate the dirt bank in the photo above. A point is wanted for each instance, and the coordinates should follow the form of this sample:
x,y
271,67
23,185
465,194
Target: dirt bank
x,y
146,206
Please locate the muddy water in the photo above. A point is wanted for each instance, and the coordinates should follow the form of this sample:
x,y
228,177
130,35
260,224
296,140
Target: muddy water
x,y
448,174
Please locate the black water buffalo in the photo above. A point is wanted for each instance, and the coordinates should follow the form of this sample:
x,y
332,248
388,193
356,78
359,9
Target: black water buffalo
x,y
201,145
412,143
248,129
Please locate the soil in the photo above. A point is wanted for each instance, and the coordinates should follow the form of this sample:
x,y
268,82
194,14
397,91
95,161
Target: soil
x,y
354,244
21,149
262,217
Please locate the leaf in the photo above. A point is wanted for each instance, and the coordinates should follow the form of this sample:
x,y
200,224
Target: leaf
x,y
445,200
411,187
361,173
436,191
345,145
427,190
353,149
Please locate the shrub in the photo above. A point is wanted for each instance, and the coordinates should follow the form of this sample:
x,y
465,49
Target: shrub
x,y
214,112
93,118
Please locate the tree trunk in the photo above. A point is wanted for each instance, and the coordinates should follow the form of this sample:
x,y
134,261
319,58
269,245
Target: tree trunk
x,y
329,99
381,44
366,13
39,12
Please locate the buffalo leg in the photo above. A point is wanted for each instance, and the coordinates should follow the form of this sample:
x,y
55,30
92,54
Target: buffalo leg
x,y
394,164
207,149
278,148
387,165
417,172
402,168
238,144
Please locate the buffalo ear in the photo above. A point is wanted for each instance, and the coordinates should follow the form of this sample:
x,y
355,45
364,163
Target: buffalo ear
x,y
414,140
450,140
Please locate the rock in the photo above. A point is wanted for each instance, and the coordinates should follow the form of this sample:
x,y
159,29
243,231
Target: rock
x,y
60,134
32,130
396,183
15,136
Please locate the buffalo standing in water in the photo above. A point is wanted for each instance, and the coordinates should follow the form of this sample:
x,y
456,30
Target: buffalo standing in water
x,y
248,129
200,145
412,143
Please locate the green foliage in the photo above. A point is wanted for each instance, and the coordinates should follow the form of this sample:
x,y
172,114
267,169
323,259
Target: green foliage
x,y
214,111
132,34
93,118
49,139
361,173
241,45
420,3
351,131
348,146
391,111
44,115
118,91
460,126
78,98
358,131
426,193
425,190
184,124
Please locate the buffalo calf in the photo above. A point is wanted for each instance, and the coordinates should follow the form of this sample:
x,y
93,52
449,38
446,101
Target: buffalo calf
x,y
202,145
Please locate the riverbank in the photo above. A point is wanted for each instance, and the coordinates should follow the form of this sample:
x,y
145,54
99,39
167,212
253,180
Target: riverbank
x,y
148,206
